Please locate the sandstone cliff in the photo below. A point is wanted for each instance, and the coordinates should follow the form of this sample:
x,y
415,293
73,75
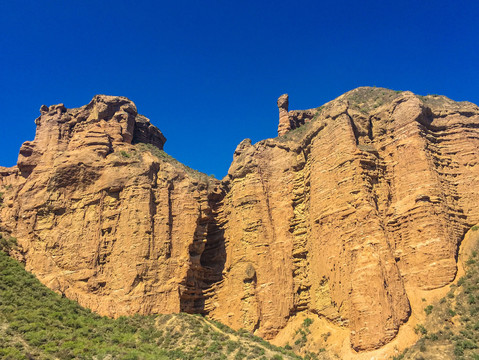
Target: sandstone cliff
x,y
359,204
340,216
106,222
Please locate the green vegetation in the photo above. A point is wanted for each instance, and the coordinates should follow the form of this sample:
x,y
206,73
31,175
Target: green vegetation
x,y
301,339
124,154
307,322
434,101
8,243
36,323
366,99
162,155
452,324
298,133
3,191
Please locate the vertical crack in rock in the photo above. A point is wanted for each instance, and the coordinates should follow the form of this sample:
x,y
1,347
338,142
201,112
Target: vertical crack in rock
x,y
299,227
388,282
207,255
169,239
153,207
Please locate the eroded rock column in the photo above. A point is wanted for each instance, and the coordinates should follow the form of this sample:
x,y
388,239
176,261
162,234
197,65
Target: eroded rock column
x,y
284,126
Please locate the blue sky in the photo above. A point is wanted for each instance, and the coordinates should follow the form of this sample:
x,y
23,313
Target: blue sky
x,y
208,73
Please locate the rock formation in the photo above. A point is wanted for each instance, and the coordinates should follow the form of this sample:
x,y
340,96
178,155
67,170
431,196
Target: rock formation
x,y
346,217
106,222
290,120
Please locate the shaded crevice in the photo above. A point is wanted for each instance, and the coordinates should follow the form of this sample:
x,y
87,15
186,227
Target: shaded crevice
x,y
268,205
153,212
170,222
354,128
208,257
370,128
153,176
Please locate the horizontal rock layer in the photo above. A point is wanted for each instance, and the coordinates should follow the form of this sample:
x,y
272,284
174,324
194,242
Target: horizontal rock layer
x,y
340,216
118,227
343,216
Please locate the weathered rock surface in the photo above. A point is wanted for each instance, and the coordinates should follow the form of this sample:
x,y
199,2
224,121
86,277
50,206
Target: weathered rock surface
x,y
290,120
340,216
356,205
108,223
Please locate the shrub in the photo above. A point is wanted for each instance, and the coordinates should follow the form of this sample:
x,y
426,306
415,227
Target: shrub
x,y
8,243
451,312
307,322
428,309
420,329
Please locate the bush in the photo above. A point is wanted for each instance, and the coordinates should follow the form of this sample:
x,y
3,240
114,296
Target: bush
x,y
428,309
451,312
422,347
8,243
420,329
307,322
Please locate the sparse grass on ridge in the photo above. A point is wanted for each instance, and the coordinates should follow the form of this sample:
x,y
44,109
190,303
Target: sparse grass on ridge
x,y
363,99
366,99
160,154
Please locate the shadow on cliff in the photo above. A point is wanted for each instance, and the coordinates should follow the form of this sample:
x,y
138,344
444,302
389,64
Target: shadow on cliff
x,y
207,262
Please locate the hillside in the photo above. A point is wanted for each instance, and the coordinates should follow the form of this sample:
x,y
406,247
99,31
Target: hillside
x,y
328,236
36,323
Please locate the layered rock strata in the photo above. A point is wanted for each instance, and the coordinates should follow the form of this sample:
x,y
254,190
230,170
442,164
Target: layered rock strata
x,y
345,217
344,214
120,228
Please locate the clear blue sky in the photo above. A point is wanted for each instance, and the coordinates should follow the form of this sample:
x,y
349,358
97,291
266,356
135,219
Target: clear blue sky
x,y
208,73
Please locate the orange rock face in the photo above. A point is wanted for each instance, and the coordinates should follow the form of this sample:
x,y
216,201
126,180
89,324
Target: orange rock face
x,y
290,120
342,217
106,222
338,217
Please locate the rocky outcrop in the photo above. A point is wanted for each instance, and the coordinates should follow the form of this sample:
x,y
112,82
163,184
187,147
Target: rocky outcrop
x,y
346,217
290,120
120,228
98,127
340,218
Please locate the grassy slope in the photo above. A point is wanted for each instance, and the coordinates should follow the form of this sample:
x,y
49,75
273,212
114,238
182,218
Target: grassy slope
x,y
36,323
